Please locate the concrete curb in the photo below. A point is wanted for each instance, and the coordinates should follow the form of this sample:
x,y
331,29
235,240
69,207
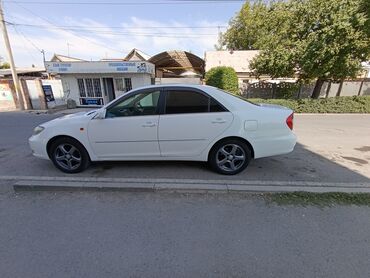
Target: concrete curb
x,y
28,183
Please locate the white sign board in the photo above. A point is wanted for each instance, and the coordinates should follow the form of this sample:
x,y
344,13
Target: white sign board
x,y
99,67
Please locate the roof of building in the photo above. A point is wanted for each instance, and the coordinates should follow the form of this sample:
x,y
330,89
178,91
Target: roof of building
x,y
112,59
137,55
63,58
176,62
239,60
23,71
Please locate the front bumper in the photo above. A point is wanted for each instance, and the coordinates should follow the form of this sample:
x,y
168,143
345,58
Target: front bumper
x,y
38,147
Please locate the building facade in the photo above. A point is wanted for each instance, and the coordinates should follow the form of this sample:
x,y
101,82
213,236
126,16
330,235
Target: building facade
x,y
238,60
96,83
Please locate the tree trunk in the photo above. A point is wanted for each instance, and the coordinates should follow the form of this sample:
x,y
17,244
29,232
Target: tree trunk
x,y
317,89
340,88
328,90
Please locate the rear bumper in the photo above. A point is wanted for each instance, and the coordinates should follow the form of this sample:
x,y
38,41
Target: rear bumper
x,y
38,147
274,146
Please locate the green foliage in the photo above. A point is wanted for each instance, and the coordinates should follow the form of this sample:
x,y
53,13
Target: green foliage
x,y
325,39
224,78
287,90
245,29
355,104
5,65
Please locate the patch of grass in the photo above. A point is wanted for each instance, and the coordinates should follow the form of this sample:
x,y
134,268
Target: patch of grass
x,y
355,104
319,199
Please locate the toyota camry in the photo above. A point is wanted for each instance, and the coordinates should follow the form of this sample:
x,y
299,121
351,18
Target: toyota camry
x,y
168,122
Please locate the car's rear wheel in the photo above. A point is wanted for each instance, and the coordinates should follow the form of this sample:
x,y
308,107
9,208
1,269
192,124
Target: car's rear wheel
x,y
69,155
230,156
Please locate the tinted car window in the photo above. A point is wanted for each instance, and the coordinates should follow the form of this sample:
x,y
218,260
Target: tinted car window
x,y
179,102
216,107
140,104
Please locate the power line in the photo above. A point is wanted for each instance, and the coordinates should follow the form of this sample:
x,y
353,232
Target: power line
x,y
84,38
29,40
123,27
20,33
179,2
127,33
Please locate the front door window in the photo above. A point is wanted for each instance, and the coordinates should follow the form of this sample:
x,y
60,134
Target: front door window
x,y
141,104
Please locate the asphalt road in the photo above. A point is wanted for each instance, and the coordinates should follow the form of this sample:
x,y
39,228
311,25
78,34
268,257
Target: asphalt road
x,y
332,148
163,235
86,234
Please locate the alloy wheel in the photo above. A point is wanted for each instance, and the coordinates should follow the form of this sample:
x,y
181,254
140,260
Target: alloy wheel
x,y
230,157
68,156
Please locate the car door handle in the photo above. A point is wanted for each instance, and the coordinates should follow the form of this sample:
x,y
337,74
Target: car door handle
x,y
149,124
219,121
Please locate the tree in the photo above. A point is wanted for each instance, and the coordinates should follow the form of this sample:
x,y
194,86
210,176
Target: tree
x,y
244,30
5,65
224,78
311,39
220,45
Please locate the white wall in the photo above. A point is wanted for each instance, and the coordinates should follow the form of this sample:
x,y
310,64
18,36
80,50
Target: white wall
x,y
239,60
70,86
56,86
34,94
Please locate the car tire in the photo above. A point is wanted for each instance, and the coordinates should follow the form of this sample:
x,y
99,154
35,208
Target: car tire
x,y
69,155
230,156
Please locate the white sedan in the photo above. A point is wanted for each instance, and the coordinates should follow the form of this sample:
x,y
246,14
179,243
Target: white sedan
x,y
168,122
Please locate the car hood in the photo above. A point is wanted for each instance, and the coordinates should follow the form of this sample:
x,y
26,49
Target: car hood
x,y
80,116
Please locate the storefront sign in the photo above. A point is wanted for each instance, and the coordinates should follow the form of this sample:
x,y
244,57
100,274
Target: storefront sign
x,y
100,67
91,101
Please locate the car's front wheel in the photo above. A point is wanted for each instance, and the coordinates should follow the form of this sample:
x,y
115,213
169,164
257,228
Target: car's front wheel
x,y
69,155
230,156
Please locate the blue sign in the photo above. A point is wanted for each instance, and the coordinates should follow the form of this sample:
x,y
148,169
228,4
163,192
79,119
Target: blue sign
x,y
91,101
48,92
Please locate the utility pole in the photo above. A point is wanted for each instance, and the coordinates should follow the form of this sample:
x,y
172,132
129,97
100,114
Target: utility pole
x,y
68,45
43,55
17,84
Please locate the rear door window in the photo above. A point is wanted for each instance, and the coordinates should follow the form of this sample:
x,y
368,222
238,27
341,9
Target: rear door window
x,y
186,101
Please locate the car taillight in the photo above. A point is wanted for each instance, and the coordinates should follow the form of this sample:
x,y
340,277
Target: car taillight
x,y
289,121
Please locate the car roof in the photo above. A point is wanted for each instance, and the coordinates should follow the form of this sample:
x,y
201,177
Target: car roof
x,y
229,101
173,85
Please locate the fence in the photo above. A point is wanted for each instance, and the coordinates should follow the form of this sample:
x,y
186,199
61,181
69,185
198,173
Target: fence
x,y
294,90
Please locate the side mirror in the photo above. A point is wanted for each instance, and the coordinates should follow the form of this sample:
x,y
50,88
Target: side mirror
x,y
100,114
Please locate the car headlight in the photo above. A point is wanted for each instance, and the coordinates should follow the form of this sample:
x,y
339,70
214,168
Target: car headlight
x,y
38,130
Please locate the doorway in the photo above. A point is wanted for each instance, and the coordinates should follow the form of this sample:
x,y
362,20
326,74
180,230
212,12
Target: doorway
x,y
109,88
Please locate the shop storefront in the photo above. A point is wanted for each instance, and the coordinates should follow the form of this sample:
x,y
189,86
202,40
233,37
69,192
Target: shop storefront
x,y
98,82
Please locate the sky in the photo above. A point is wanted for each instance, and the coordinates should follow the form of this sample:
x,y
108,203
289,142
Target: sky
x,y
110,30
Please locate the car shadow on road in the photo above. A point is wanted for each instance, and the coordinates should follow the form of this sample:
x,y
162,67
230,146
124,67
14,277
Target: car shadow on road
x,y
300,165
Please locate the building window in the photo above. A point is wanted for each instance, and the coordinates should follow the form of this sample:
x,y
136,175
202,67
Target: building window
x,y
90,91
128,84
81,87
119,84
89,87
97,87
